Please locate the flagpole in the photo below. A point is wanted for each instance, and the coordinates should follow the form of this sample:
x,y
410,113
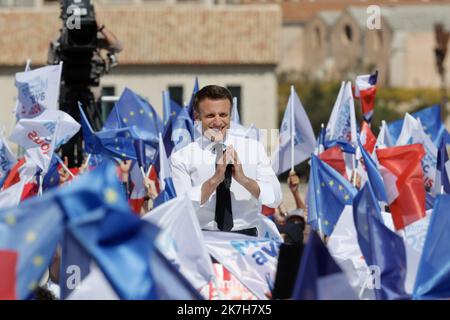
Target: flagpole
x,y
292,127
88,159
64,166
40,181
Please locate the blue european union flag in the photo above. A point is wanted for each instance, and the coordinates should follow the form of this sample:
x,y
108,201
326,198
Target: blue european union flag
x,y
121,244
382,249
365,204
431,121
328,193
375,179
109,142
133,110
33,230
317,264
433,274
51,178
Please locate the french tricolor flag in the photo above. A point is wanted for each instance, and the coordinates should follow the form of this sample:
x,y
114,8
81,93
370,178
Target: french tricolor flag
x,y
403,177
365,91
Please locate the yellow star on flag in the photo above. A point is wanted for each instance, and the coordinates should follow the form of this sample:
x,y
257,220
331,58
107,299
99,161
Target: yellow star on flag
x,y
131,113
125,120
31,236
110,196
331,183
38,261
10,219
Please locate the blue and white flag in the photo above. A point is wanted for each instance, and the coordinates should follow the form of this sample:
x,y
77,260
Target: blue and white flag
x,y
253,261
430,118
297,140
342,123
38,90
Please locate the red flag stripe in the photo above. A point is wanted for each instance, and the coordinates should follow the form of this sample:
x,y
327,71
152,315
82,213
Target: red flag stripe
x,y
8,264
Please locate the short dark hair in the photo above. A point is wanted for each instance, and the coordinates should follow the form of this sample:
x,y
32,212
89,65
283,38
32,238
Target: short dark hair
x,y
212,92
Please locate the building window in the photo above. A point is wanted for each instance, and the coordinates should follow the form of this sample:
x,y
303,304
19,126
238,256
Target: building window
x,y
107,101
236,92
317,42
347,34
176,94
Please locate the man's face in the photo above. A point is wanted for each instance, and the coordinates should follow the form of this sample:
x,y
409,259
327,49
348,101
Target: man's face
x,y
215,118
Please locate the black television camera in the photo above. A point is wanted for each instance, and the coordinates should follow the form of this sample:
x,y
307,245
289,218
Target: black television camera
x,y
79,47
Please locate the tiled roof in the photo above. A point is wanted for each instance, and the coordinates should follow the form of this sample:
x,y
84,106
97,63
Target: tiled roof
x,y
156,34
303,10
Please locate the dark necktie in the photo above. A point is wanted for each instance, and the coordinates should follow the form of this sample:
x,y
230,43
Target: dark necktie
x,y
224,214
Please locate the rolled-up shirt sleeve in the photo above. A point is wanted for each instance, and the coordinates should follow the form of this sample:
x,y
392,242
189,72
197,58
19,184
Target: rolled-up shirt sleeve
x,y
270,189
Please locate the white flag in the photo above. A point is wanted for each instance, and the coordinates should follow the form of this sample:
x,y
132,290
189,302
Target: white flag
x,y
413,132
38,90
7,159
251,260
182,239
296,136
342,123
41,135
11,196
37,137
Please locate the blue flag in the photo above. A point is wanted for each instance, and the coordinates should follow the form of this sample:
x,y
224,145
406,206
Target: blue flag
x,y
433,274
179,130
442,175
109,142
133,110
382,248
328,193
166,194
32,230
319,277
365,204
375,179
190,107
431,121
121,244
75,265
51,178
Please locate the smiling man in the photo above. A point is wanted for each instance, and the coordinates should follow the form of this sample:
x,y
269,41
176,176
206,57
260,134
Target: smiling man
x,y
227,177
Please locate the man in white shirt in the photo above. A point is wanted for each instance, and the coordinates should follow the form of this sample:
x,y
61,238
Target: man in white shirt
x,y
200,169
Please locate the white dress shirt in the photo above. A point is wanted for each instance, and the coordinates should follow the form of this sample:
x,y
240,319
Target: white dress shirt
x,y
195,163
